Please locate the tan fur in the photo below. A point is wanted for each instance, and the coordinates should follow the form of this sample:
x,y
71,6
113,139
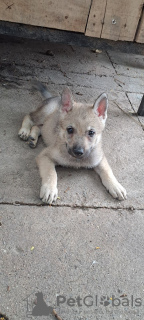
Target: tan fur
x,y
77,149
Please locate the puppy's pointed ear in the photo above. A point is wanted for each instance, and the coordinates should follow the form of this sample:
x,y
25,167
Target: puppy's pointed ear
x,y
67,100
101,106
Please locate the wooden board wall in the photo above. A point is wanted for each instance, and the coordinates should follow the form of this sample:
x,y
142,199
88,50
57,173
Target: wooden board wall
x,y
59,14
108,19
114,19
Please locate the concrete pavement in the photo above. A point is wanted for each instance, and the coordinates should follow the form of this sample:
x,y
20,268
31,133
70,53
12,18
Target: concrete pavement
x,y
88,244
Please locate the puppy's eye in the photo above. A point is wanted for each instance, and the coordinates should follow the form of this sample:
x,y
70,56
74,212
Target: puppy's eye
x,y
70,130
91,133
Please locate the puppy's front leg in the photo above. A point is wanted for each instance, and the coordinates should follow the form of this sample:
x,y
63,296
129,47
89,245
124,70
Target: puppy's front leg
x,y
109,180
48,192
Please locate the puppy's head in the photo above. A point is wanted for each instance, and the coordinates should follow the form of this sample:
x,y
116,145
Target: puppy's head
x,y
82,125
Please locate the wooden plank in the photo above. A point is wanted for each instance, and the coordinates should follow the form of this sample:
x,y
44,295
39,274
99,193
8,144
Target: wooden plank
x,y
140,32
96,18
120,17
58,14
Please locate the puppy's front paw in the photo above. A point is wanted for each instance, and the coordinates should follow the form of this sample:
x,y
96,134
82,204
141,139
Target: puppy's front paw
x,y
117,191
48,194
32,142
24,134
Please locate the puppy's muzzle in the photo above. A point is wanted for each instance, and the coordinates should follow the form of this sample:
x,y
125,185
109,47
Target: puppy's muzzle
x,y
76,151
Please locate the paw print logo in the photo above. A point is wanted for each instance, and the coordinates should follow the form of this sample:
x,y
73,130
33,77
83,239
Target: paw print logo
x,y
105,301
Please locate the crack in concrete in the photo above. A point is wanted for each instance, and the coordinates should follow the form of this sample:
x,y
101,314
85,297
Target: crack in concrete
x,y
50,82
130,115
126,93
109,57
83,207
58,67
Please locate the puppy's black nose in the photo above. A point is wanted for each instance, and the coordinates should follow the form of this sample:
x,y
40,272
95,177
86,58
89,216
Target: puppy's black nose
x,y
78,151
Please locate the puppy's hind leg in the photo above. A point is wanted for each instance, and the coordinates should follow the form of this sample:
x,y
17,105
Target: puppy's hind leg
x,y
33,136
27,124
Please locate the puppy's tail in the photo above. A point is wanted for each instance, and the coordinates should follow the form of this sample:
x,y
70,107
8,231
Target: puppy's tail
x,y
37,85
